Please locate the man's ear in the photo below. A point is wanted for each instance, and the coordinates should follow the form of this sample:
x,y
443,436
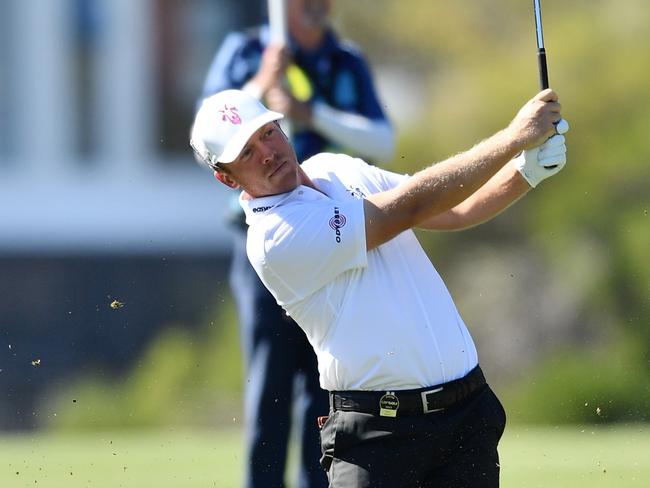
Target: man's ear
x,y
225,179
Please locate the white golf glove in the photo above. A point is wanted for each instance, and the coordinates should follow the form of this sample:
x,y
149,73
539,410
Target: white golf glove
x,y
544,161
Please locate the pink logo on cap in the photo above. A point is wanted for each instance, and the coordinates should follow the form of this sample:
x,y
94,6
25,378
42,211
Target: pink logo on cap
x,y
230,114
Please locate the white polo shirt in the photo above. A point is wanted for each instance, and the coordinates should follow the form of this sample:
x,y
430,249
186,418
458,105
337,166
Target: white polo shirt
x,y
378,320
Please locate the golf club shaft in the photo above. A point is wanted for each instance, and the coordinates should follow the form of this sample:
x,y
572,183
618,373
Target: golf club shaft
x,y
541,51
279,32
277,11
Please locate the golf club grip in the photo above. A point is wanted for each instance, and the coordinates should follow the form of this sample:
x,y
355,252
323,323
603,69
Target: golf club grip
x,y
543,70
543,77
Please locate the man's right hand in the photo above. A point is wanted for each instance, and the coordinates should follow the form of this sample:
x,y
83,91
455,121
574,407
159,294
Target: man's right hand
x,y
535,121
273,65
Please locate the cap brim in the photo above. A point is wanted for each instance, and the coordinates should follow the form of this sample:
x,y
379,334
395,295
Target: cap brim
x,y
239,140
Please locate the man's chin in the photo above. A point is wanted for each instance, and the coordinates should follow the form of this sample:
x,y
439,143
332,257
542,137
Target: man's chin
x,y
278,170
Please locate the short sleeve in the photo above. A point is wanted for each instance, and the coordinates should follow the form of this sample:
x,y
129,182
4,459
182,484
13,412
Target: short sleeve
x,y
308,246
375,179
387,179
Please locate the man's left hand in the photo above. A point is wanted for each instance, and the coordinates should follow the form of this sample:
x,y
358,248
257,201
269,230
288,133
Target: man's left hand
x,y
542,162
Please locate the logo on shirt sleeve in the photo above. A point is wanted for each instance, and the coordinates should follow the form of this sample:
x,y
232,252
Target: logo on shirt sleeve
x,y
337,222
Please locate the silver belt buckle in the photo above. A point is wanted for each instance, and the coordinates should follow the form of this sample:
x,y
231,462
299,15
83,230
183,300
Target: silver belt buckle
x,y
425,402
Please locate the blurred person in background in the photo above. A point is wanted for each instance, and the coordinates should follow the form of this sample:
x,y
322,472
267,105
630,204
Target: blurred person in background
x,y
325,89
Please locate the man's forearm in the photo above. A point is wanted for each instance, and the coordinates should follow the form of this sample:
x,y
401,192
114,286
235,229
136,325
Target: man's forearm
x,y
502,190
437,188
443,186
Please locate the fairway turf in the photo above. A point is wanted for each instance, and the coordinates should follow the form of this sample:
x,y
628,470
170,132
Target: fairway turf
x,y
574,457
161,459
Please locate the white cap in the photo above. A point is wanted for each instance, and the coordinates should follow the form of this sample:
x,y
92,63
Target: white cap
x,y
224,123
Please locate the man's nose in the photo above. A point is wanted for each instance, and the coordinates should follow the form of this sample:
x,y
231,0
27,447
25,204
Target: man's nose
x,y
268,155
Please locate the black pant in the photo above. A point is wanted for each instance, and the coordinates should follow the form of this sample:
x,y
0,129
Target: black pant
x,y
456,448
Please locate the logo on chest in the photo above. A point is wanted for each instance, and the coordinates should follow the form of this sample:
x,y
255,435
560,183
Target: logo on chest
x,y
356,192
337,222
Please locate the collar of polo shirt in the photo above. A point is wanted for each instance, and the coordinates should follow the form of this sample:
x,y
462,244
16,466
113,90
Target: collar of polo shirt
x,y
256,208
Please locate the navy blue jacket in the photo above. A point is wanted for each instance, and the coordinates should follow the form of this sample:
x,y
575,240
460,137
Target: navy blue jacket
x,y
337,73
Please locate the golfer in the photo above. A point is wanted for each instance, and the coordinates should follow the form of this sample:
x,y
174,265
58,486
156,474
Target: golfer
x,y
332,241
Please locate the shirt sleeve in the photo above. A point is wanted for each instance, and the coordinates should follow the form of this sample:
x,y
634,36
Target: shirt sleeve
x,y
388,179
309,247
373,138
383,179
370,105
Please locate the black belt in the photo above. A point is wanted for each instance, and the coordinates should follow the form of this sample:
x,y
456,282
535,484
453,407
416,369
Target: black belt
x,y
409,402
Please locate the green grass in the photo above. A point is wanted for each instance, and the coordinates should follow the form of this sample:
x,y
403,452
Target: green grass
x,y
576,457
572,457
161,459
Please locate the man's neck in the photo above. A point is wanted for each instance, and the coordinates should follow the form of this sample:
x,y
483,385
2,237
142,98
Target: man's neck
x,y
247,196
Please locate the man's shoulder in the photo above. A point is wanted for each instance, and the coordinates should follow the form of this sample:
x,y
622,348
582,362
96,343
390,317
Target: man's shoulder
x,y
349,54
351,48
280,228
325,162
343,46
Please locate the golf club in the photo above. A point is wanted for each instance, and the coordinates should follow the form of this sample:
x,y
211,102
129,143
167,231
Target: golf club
x,y
279,32
562,126
541,51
